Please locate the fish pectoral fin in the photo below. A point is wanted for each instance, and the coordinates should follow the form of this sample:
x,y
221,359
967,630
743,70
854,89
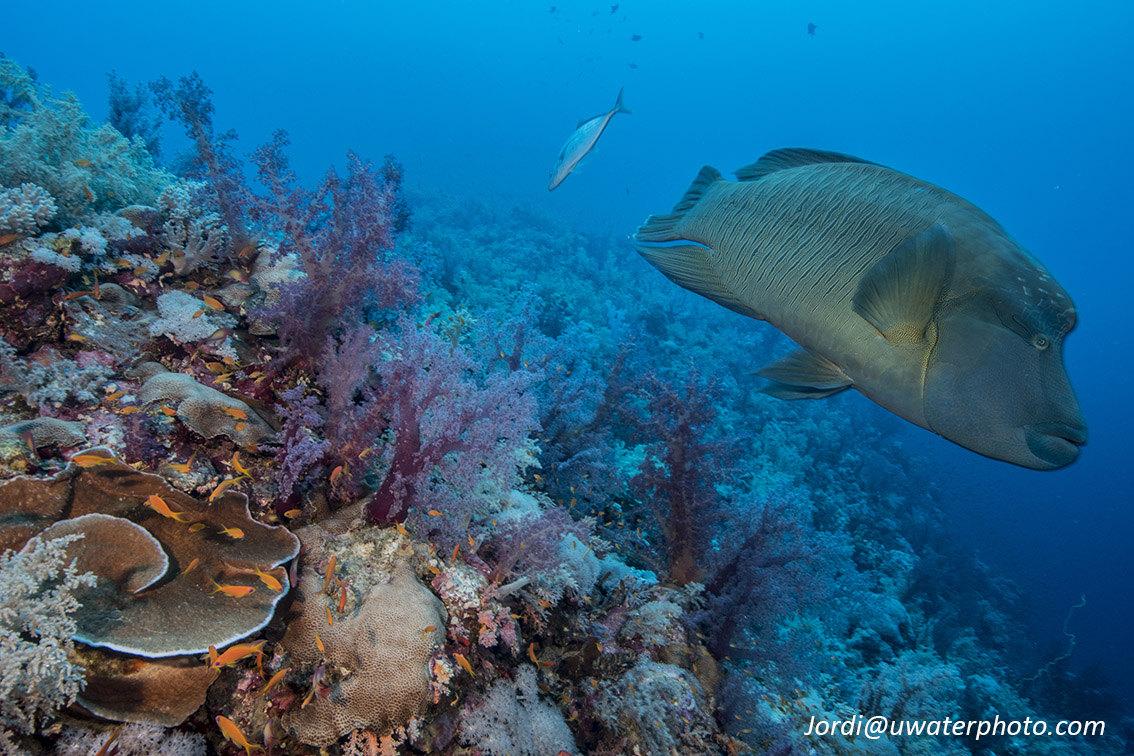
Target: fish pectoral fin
x,y
899,294
792,157
804,375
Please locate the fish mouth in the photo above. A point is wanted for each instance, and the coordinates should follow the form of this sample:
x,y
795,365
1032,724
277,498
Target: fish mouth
x,y
1055,444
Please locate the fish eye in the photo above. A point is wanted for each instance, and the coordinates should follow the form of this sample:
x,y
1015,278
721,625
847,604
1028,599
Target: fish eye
x,y
1041,341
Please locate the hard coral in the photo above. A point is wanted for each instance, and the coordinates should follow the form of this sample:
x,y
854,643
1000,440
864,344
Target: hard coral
x,y
376,655
146,601
203,409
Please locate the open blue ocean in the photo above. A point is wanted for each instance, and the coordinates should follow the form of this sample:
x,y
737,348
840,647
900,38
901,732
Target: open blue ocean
x,y
501,486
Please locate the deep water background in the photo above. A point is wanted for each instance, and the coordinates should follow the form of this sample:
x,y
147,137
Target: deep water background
x,y
1023,108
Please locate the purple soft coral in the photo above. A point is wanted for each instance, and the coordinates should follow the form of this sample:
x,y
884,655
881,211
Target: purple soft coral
x,y
451,433
341,233
189,103
683,464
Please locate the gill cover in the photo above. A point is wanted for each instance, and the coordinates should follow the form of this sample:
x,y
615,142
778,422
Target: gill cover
x,y
995,381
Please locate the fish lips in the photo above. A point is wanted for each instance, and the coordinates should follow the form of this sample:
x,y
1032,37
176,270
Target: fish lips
x,y
1055,444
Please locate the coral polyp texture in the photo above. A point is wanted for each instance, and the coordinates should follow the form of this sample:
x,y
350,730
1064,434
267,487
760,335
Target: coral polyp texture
x,y
289,467
146,600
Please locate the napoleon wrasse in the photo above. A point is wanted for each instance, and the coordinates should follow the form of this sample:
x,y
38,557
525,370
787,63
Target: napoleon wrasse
x,y
890,285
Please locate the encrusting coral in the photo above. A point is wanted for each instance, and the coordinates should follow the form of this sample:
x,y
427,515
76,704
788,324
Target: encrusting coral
x,y
369,642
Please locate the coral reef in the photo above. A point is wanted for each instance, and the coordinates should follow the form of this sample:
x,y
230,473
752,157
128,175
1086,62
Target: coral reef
x,y
25,209
520,534
140,537
37,604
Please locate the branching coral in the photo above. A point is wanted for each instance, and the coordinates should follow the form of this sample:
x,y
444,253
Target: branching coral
x,y
188,103
25,209
451,434
512,719
37,604
51,142
195,234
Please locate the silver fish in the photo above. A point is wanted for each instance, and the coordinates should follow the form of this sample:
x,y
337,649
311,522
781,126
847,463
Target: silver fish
x,y
582,141
892,286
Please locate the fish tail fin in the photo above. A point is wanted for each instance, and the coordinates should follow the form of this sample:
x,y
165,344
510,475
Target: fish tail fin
x,y
618,106
687,262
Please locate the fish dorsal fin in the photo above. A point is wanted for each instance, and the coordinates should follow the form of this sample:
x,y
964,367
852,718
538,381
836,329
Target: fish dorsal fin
x,y
900,292
685,261
803,375
661,228
792,157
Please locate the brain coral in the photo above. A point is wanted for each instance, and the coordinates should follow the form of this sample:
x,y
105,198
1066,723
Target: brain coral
x,y
376,654
154,595
204,409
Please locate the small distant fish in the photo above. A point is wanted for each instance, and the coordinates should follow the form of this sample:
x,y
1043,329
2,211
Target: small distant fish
x,y
212,302
9,238
275,679
83,163
237,653
235,412
269,580
552,9
633,65
234,533
192,566
233,733
158,504
811,29
613,9
91,460
236,591
196,527
461,660
221,487
582,141
330,572
700,35
635,37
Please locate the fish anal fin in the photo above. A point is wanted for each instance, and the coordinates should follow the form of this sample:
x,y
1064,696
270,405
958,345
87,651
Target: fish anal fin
x,y
792,157
690,265
804,375
900,292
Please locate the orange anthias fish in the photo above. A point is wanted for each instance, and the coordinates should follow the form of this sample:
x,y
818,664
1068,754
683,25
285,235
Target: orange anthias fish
x,y
464,663
213,302
239,414
233,733
236,653
330,573
91,460
236,591
224,484
268,580
274,679
158,504
235,533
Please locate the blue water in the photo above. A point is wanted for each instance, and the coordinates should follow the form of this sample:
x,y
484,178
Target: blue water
x,y
1023,108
